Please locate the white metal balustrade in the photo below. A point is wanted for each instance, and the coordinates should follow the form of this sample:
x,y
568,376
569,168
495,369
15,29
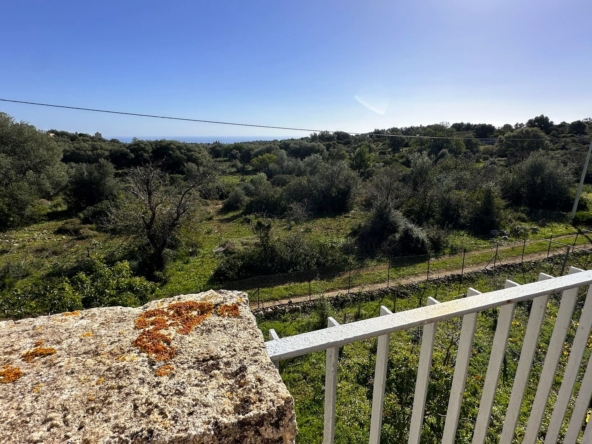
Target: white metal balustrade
x,y
332,338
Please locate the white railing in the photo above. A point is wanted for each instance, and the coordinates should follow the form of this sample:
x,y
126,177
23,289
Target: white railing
x,y
331,339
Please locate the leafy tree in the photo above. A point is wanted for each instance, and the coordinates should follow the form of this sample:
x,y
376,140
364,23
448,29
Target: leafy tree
x,y
236,200
387,187
541,122
263,162
484,130
362,159
488,212
30,169
539,182
518,144
89,185
439,137
156,209
578,127
333,186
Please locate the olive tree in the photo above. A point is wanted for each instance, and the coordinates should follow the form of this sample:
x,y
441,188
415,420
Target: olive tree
x,y
155,208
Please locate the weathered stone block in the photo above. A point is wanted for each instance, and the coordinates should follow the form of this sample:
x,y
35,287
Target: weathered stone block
x,y
189,369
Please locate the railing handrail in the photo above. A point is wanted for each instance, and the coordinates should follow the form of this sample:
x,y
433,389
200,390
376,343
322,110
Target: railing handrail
x,y
302,344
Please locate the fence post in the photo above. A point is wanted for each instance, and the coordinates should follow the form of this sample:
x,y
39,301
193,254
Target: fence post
x,y
349,281
549,249
565,260
523,248
462,269
428,275
576,239
388,274
495,257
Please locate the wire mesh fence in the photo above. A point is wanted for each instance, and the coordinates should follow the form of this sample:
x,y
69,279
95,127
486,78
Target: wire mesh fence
x,y
308,284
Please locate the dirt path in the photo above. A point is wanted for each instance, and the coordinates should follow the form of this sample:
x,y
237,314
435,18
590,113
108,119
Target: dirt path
x,y
414,278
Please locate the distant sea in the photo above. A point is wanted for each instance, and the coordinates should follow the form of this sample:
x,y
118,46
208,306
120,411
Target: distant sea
x,y
207,139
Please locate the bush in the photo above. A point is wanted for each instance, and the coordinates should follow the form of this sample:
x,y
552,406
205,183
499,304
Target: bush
x,y
487,212
104,286
438,239
383,222
97,214
237,200
539,182
89,185
98,286
272,255
583,218
410,241
519,231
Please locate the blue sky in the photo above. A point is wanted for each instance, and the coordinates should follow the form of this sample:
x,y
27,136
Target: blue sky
x,y
336,65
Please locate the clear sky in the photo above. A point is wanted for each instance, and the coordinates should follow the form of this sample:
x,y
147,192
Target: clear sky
x,y
336,65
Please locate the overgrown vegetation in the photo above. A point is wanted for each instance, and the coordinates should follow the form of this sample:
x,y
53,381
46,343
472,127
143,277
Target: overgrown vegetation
x,y
187,216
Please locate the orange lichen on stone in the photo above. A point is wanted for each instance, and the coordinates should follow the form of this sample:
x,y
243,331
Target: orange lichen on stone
x,y
183,316
155,344
227,310
142,321
38,342
164,370
38,387
71,313
38,352
100,380
9,374
87,334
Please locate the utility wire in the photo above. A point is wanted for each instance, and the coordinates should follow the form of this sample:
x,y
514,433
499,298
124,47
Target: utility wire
x,y
155,116
124,113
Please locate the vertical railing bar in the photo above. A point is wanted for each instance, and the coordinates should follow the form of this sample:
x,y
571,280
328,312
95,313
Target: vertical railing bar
x,y
562,323
274,337
423,378
580,409
587,433
571,371
330,389
496,358
533,328
461,368
382,354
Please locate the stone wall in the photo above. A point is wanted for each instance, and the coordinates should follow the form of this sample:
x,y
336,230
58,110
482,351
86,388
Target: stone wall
x,y
190,369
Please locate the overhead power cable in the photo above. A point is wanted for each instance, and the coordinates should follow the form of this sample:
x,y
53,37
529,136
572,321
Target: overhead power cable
x,y
216,122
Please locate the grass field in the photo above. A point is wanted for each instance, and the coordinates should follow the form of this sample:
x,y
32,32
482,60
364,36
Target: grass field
x,y
41,251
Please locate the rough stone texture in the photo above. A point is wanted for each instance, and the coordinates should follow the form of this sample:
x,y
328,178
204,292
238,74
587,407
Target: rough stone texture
x,y
99,388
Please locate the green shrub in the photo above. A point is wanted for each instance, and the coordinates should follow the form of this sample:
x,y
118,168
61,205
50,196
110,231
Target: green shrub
x,y
411,240
99,285
237,200
103,285
384,221
271,255
438,239
583,218
97,214
90,184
